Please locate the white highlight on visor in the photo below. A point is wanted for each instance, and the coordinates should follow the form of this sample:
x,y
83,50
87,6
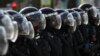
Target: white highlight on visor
x,y
59,21
15,36
95,11
71,19
43,20
32,13
50,14
98,16
32,31
25,26
78,19
3,41
29,7
85,16
9,26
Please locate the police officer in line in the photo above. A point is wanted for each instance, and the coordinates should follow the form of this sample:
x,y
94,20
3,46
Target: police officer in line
x,y
74,40
49,32
97,31
4,29
93,23
11,29
83,29
17,47
68,28
54,23
38,46
77,17
84,22
8,31
77,35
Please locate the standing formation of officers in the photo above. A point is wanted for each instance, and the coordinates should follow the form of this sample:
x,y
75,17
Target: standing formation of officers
x,y
50,32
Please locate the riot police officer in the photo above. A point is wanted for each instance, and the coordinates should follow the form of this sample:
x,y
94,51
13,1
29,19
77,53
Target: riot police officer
x,y
23,29
67,29
72,48
83,29
93,22
38,46
6,32
53,21
77,35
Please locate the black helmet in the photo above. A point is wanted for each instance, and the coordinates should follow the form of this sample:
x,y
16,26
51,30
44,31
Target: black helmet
x,y
22,22
77,17
85,7
24,26
83,14
68,20
3,41
59,11
92,13
69,10
35,16
53,19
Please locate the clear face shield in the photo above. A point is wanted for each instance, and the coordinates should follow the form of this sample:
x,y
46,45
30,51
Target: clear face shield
x,y
96,15
32,31
15,26
8,24
92,13
72,22
84,17
69,20
54,20
22,24
77,17
15,36
37,19
15,31
3,41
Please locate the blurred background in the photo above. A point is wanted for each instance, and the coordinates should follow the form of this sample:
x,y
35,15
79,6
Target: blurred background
x,y
62,4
